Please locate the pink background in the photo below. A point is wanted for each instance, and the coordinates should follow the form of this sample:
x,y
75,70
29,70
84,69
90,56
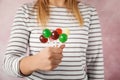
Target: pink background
x,y
109,13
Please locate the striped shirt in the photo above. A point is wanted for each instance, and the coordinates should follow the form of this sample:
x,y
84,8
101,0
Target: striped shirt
x,y
82,56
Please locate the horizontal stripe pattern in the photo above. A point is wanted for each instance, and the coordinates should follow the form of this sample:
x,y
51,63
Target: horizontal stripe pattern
x,y
82,56
17,44
94,50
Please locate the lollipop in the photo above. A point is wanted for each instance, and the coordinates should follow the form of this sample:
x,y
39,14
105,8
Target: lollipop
x,y
46,33
63,38
61,35
59,30
43,39
66,30
55,35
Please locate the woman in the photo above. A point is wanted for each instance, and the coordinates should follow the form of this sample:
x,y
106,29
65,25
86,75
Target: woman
x,y
80,58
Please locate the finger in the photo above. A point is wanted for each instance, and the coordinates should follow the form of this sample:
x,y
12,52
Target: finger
x,y
53,50
55,62
62,46
54,66
56,50
50,49
57,56
57,46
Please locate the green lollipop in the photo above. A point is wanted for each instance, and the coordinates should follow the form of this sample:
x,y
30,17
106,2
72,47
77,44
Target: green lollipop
x,y
46,33
63,38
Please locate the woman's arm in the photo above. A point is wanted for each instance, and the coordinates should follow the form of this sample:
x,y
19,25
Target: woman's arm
x,y
16,63
95,63
18,42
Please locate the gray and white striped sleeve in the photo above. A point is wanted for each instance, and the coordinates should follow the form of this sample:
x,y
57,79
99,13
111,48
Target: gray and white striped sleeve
x,y
95,61
17,44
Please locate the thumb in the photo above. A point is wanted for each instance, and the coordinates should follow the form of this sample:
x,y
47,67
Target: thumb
x,y
62,46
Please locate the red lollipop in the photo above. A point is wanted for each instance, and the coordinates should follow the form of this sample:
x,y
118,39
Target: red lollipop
x,y
59,30
55,35
43,39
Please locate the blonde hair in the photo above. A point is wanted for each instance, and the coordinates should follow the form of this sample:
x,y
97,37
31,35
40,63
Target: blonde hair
x,y
43,10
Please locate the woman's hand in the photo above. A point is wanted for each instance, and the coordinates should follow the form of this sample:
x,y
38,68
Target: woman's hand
x,y
46,60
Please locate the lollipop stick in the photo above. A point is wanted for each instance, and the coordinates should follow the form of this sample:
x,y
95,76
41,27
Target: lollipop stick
x,y
50,43
56,43
47,44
